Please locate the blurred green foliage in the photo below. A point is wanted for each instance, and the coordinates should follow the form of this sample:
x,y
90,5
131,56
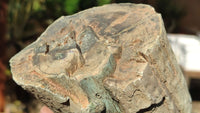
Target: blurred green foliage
x,y
102,2
171,12
29,18
169,8
71,6
19,12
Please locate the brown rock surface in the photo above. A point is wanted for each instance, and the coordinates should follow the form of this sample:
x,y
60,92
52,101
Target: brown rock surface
x,y
114,59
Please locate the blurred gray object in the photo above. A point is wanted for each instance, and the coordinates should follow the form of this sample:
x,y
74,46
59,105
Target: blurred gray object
x,y
187,50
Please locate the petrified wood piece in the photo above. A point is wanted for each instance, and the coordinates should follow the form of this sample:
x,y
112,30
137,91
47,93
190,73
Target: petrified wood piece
x,y
114,59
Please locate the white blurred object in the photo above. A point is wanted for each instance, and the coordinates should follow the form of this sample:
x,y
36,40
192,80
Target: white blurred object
x,y
187,50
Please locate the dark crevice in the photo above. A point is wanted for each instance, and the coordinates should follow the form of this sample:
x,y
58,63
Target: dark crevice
x,y
115,99
59,110
79,49
144,56
67,103
104,111
153,106
47,48
195,89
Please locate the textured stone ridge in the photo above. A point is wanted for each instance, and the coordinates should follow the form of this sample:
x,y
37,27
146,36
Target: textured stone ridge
x,y
114,59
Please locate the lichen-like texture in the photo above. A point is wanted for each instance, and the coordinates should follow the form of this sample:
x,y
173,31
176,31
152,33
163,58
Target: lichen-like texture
x,y
109,59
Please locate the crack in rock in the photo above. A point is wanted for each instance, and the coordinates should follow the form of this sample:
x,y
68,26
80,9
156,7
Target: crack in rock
x,y
152,107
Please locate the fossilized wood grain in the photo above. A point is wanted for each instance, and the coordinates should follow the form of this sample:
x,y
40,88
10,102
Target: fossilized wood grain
x,y
114,59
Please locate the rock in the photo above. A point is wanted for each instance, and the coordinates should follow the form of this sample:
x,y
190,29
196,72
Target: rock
x,y
114,58
195,107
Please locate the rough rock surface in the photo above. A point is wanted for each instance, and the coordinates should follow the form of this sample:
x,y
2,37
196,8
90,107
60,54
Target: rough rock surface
x,y
114,59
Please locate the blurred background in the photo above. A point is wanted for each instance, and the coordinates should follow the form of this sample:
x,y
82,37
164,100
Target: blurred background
x,y
22,21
